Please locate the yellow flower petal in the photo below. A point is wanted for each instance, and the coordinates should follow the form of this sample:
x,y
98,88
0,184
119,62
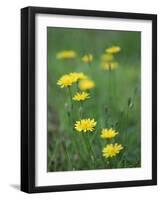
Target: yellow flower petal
x,y
111,150
113,49
78,76
108,133
67,54
81,96
65,81
85,125
68,79
86,84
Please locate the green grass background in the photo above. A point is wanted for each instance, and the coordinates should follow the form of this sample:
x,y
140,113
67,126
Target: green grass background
x,y
114,102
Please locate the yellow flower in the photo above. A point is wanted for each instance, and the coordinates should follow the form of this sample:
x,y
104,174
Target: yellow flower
x,y
86,84
81,96
113,49
107,57
68,54
78,76
111,150
88,58
109,66
68,79
85,125
108,133
65,81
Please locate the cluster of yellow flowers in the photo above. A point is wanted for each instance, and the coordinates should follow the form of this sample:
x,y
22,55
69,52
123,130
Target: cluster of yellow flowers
x,y
107,60
84,84
70,54
110,150
88,125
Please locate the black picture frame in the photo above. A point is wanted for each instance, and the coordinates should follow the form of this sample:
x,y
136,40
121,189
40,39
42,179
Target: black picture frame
x,y
28,98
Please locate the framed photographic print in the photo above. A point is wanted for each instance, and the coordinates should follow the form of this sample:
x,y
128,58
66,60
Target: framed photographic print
x,y
88,99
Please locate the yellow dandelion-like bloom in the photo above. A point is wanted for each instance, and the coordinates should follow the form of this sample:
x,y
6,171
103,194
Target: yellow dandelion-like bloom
x,y
107,57
85,125
78,76
111,150
86,84
81,96
88,58
108,133
65,81
109,66
113,49
67,54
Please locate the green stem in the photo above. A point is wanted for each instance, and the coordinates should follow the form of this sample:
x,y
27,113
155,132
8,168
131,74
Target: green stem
x,y
53,157
70,167
86,144
71,102
75,144
77,85
109,87
127,119
89,64
70,95
81,110
110,164
91,148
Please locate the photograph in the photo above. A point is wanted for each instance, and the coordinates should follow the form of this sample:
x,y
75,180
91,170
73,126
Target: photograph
x,y
93,99
89,99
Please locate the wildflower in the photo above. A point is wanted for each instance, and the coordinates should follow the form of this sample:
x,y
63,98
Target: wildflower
x,y
113,49
107,57
86,84
88,58
109,66
81,96
67,54
108,133
111,150
65,81
78,76
85,125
